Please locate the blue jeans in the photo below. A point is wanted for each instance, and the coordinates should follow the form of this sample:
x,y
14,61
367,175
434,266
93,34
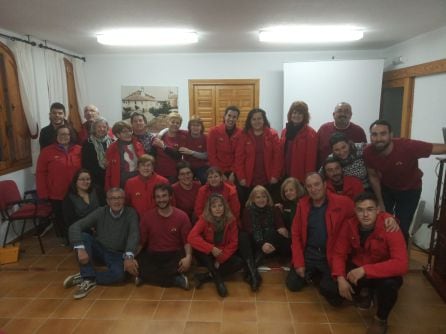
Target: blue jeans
x,y
402,204
98,253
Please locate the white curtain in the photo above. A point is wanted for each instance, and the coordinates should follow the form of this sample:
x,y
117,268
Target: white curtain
x,y
81,85
57,79
27,84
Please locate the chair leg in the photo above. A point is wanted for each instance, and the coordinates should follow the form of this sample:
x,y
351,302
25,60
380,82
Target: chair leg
x,y
6,233
38,236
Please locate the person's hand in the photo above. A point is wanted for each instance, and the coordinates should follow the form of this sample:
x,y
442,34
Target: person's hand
x,y
231,178
300,271
105,162
345,289
216,252
158,143
242,183
185,150
216,264
273,180
267,248
131,266
184,264
355,275
391,224
283,232
82,256
279,206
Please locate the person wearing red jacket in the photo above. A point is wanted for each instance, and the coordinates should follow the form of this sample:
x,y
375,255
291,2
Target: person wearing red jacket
x,y
222,140
313,235
378,259
139,189
299,141
214,240
259,156
122,156
216,184
56,166
339,183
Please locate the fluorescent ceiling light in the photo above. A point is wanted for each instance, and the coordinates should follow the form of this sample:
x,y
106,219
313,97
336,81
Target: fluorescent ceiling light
x,y
147,37
310,34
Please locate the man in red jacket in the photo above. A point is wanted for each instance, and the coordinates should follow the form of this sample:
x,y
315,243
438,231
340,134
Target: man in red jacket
x,y
337,182
378,259
313,235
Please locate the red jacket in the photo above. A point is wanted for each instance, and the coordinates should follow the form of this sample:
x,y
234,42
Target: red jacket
x,y
229,193
303,152
384,253
245,155
55,170
221,147
339,210
352,186
112,172
139,192
201,238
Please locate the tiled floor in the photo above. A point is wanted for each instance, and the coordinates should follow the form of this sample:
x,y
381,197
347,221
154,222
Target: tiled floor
x,y
32,300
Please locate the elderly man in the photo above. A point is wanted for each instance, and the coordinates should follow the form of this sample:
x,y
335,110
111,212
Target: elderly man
x,y
57,119
166,255
392,165
222,140
342,116
366,256
339,183
114,244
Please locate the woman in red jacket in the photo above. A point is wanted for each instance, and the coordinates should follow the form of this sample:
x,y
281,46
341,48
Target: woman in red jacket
x,y
300,142
56,166
258,156
214,239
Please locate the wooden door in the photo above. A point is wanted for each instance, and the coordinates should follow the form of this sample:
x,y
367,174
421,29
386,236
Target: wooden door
x,y
209,99
73,115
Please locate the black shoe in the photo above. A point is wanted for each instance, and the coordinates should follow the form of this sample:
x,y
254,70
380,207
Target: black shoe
x,y
221,288
181,281
201,278
256,280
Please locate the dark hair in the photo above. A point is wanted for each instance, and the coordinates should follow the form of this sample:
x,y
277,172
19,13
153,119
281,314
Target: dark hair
x,y
232,108
251,114
330,160
163,187
196,120
381,122
214,169
337,137
183,164
311,174
366,196
58,105
73,188
136,114
300,107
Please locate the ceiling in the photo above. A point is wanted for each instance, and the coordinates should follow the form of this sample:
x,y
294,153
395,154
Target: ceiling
x,y
223,25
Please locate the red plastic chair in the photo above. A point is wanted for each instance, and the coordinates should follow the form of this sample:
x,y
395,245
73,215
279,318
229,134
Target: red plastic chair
x,y
13,207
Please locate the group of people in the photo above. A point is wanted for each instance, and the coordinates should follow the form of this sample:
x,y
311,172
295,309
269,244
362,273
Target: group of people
x,y
146,204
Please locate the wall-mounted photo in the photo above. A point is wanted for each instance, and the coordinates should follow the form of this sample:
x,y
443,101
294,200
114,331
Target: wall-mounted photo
x,y
155,102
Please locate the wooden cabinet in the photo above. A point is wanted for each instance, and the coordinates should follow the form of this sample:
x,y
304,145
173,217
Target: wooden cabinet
x,y
436,267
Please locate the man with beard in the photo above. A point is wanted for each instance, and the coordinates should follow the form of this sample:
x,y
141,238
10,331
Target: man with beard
x,y
392,165
57,119
339,183
222,140
341,116
165,255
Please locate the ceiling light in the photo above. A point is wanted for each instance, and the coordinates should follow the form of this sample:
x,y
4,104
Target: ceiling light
x,y
147,37
310,34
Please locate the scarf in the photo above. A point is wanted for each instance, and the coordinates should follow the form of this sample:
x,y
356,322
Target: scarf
x,y
292,130
262,222
98,144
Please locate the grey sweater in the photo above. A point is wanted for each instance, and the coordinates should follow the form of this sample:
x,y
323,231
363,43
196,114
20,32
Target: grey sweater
x,y
116,234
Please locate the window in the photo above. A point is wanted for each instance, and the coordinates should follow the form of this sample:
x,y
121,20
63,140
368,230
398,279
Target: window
x,y
15,145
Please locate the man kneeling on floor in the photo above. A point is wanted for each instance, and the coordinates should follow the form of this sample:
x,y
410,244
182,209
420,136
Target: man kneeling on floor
x,y
166,255
114,243
375,259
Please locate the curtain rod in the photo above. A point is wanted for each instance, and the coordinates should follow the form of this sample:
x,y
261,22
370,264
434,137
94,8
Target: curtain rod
x,y
42,46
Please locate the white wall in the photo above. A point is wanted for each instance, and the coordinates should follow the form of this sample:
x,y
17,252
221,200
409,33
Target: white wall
x,y
429,114
106,74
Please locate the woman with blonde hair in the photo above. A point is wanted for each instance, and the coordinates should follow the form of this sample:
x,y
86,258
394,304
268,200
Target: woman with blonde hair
x,y
214,240
290,192
262,233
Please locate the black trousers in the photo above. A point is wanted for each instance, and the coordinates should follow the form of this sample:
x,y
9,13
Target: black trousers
x,y
230,266
385,290
159,268
248,249
317,271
